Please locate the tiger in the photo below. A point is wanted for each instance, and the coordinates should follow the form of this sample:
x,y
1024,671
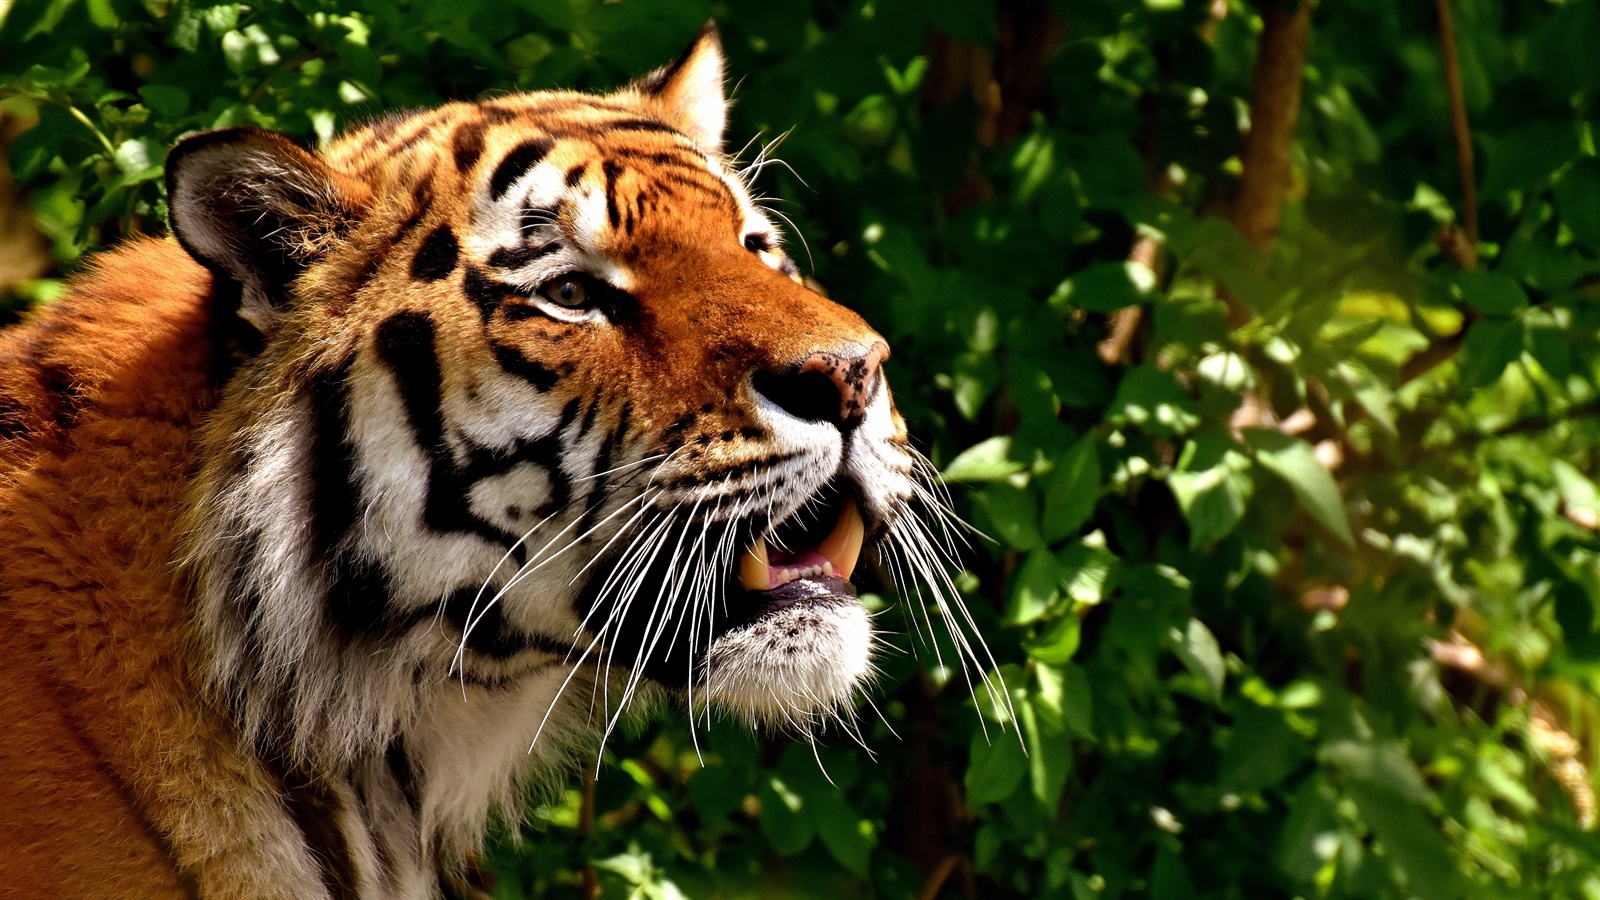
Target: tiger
x,y
364,503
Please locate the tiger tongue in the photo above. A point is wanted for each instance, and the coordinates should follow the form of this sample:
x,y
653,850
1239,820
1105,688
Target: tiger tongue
x,y
835,556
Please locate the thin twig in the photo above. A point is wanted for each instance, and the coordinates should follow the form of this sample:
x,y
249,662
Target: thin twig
x,y
105,142
1463,136
591,880
937,878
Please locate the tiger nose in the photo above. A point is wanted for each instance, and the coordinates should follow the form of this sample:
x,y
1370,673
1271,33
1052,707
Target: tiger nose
x,y
826,387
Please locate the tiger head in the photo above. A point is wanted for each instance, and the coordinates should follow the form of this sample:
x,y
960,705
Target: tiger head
x,y
528,404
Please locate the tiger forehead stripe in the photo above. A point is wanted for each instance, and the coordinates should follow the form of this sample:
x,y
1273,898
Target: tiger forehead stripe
x,y
522,157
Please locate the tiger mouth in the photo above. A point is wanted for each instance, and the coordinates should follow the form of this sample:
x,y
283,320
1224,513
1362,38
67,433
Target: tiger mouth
x,y
810,555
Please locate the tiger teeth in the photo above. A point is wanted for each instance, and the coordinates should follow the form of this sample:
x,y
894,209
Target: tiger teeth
x,y
840,551
754,573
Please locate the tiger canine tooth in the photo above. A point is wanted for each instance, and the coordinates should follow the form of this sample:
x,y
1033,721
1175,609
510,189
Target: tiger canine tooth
x,y
842,546
839,551
754,573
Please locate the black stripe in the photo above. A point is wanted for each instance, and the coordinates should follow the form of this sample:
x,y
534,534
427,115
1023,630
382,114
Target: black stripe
x,y
405,777
13,418
671,159
636,125
437,257
315,810
636,215
65,395
335,496
588,418
575,174
422,197
612,169
603,462
705,183
405,342
521,158
484,292
683,423
422,124
600,130
357,599
520,255
466,145
384,128
535,373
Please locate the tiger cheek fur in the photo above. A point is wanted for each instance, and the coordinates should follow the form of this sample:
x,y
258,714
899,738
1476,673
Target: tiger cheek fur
x,y
503,417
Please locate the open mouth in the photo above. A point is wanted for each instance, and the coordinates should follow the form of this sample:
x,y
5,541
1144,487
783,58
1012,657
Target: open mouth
x,y
816,548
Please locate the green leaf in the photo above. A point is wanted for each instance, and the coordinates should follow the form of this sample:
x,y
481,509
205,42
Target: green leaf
x,y
715,795
1013,513
1062,698
236,49
1490,346
1197,648
1311,831
139,160
1108,286
995,768
1154,401
1577,491
1071,491
1577,197
1049,758
1085,567
784,818
1000,692
1169,877
973,378
166,101
1294,461
1059,642
1035,589
843,831
1491,293
1383,764
1262,750
1411,837
1212,485
988,460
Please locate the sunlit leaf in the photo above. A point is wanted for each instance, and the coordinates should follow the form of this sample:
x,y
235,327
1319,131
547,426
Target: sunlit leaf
x,y
988,460
1197,648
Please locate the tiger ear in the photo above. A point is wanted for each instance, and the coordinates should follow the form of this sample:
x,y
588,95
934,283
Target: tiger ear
x,y
256,210
689,92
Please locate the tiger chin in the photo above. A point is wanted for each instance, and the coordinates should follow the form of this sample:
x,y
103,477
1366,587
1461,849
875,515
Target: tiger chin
x,y
381,488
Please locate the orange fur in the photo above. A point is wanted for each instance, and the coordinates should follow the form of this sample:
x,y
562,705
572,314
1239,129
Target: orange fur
x,y
116,769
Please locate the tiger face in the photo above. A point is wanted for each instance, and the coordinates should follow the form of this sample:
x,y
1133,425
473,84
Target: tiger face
x,y
530,416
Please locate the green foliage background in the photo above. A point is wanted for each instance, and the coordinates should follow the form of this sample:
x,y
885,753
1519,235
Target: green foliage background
x,y
1236,671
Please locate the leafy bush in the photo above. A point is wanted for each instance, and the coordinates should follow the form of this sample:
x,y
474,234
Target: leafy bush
x,y
1286,448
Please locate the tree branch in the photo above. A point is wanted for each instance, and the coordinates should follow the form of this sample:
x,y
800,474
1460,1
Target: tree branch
x,y
1274,110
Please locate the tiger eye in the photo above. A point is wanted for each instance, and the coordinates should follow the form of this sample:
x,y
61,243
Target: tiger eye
x,y
569,292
